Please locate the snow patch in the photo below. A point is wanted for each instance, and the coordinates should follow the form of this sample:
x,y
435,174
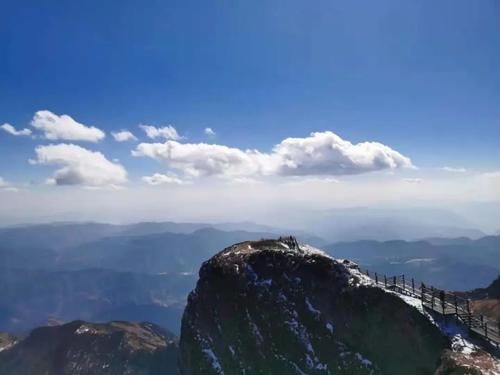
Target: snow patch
x,y
365,362
254,328
8,346
359,278
455,331
213,360
311,308
310,250
82,330
284,245
267,282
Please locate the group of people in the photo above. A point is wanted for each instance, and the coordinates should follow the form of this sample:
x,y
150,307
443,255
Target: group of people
x,y
290,241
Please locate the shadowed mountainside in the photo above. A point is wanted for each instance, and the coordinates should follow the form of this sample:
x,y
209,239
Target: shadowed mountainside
x,y
260,307
80,348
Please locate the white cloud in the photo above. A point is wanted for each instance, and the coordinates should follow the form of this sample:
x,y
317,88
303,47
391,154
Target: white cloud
x,y
80,166
162,179
414,180
320,154
210,132
326,153
12,130
123,136
203,159
6,186
454,170
167,132
64,127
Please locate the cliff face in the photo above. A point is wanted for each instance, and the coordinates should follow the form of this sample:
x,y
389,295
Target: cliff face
x,y
80,348
262,308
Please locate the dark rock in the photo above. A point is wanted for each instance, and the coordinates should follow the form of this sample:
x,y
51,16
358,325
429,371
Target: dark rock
x,y
262,308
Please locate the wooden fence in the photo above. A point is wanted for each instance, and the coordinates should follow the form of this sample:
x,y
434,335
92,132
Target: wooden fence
x,y
442,302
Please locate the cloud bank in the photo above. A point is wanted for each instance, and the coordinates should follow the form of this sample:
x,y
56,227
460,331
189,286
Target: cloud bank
x,y
162,179
13,131
454,170
414,180
6,186
80,166
320,154
64,127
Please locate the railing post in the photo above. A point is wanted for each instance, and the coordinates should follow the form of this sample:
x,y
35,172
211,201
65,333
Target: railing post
x,y
432,297
376,278
422,292
486,329
385,282
413,285
442,297
394,281
456,304
367,273
404,282
469,317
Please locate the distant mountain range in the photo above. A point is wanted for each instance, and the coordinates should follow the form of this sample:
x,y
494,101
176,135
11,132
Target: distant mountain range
x,y
143,272
101,272
29,298
384,224
61,236
454,264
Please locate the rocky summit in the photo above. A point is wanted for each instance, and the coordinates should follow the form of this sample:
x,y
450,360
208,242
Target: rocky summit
x,y
273,307
80,348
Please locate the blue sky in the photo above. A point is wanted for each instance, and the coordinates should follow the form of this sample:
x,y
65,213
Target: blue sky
x,y
421,77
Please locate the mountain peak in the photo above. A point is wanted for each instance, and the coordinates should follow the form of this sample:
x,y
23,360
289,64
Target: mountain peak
x,y
266,307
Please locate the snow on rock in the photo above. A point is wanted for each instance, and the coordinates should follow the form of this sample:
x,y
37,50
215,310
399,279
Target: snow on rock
x,y
412,301
10,345
365,362
83,329
311,308
462,345
464,351
358,278
310,250
213,359
266,277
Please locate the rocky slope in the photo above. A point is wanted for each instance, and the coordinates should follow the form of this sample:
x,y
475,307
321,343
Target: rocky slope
x,y
80,348
492,291
486,301
6,341
263,308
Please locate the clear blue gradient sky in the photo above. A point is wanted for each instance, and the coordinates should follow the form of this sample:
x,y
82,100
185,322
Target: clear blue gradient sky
x,y
421,77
